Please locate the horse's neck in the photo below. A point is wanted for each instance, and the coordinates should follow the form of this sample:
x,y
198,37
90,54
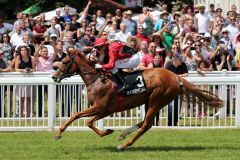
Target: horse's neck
x,y
88,74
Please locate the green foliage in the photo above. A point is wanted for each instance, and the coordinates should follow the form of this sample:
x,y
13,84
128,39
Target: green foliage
x,y
207,144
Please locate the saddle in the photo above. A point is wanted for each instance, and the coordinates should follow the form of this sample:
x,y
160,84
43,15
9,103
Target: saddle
x,y
135,83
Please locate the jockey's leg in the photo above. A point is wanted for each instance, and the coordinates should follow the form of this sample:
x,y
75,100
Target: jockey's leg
x,y
121,64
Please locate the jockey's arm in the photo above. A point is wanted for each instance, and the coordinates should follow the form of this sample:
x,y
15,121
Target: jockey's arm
x,y
112,59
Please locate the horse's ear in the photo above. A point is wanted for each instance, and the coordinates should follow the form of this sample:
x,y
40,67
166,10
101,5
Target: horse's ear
x,y
71,51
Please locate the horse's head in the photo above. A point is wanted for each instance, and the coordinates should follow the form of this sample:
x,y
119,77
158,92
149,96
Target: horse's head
x,y
68,67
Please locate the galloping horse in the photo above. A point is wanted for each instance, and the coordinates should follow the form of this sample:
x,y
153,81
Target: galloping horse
x,y
163,86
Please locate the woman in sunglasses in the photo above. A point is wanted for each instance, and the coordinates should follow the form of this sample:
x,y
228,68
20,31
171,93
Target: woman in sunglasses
x,y
120,56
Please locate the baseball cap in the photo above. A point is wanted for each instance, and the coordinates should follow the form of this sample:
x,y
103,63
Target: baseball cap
x,y
53,35
178,56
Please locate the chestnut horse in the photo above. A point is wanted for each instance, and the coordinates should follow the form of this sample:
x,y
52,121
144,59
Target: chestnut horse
x,y
163,86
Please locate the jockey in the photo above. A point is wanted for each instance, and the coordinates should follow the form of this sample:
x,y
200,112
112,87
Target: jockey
x,y
120,56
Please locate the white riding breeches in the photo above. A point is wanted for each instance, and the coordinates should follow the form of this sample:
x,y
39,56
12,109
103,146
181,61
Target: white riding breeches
x,y
131,62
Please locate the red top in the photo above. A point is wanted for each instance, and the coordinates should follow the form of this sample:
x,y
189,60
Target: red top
x,y
115,54
39,29
142,37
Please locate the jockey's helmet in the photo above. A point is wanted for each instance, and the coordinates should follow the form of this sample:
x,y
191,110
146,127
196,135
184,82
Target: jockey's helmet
x,y
101,42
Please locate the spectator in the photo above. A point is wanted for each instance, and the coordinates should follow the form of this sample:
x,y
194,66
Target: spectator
x,y
67,17
148,58
27,42
163,18
100,20
44,63
140,33
232,28
174,50
234,8
118,16
39,31
189,28
52,30
6,47
24,30
202,20
134,43
87,41
19,17
146,20
4,27
82,29
237,50
211,11
161,50
114,30
226,39
131,25
188,12
24,63
157,62
64,32
71,43
123,34
16,38
5,66
178,67
143,50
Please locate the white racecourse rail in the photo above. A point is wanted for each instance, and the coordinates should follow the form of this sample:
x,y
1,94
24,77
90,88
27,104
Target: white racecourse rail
x,y
34,102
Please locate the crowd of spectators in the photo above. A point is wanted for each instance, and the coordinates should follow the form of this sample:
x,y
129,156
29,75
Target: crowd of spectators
x,y
199,36
206,40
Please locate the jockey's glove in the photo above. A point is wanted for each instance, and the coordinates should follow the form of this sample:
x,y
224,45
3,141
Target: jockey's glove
x,y
98,66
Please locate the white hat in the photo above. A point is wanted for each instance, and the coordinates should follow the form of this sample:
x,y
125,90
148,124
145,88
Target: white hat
x,y
225,30
207,35
53,35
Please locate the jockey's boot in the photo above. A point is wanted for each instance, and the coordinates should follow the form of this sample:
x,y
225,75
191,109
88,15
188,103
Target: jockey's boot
x,y
124,84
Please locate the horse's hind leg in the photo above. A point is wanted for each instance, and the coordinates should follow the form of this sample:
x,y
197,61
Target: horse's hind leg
x,y
129,131
98,131
147,124
85,113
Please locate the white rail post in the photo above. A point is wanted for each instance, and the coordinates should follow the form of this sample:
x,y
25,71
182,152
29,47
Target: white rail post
x,y
51,106
223,110
237,106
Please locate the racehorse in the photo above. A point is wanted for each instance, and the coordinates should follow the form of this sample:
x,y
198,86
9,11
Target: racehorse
x,y
163,86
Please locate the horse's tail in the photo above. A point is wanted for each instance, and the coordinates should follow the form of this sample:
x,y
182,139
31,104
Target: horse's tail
x,y
190,91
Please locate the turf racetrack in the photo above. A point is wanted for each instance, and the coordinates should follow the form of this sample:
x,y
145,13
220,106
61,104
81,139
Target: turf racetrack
x,y
207,144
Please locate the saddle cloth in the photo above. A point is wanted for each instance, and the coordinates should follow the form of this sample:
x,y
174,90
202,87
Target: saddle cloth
x,y
137,82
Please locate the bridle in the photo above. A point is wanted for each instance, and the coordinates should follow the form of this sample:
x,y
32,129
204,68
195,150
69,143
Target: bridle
x,y
91,72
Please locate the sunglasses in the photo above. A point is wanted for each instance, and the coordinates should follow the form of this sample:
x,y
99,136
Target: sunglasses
x,y
1,54
232,19
176,42
140,28
219,11
174,48
224,32
197,45
88,30
189,44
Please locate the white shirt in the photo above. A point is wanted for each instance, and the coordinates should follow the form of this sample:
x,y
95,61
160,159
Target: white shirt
x,y
233,30
203,21
120,36
100,23
16,39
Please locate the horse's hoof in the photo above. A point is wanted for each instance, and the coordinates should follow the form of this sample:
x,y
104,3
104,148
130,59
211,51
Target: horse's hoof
x,y
57,137
120,148
121,137
109,131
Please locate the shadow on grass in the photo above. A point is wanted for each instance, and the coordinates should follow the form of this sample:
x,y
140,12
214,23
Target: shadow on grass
x,y
166,148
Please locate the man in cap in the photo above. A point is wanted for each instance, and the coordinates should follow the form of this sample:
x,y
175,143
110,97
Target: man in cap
x,y
159,23
228,42
177,66
120,57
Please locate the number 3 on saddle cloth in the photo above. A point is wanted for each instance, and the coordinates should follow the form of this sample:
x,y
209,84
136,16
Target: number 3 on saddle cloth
x,y
137,82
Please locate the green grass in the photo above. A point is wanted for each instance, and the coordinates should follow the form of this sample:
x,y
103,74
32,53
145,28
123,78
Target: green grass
x,y
156,144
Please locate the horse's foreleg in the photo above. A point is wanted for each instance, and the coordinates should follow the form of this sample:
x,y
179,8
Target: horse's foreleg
x,y
85,113
129,131
101,133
